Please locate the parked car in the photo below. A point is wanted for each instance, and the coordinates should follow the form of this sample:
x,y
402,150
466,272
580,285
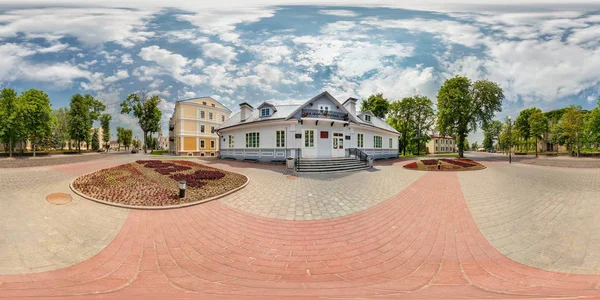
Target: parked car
x,y
134,150
491,150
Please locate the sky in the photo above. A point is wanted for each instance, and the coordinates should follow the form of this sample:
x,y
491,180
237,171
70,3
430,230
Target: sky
x,y
542,53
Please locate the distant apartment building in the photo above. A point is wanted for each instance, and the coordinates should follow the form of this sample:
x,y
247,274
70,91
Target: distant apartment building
x,y
440,144
192,127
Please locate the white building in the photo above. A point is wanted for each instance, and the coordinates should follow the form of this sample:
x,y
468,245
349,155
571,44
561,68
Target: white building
x,y
320,128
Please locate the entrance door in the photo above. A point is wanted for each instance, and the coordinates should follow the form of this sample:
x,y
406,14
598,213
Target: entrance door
x,y
338,145
309,148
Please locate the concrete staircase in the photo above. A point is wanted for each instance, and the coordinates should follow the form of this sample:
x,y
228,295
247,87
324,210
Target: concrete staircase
x,y
314,165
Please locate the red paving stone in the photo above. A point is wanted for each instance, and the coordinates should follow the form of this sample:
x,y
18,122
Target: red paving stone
x,y
420,244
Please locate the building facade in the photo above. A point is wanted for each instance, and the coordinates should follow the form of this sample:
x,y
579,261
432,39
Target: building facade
x,y
320,128
440,144
192,128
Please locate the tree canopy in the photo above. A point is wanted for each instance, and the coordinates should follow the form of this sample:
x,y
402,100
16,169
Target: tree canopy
x,y
463,106
491,133
105,124
36,116
378,105
11,118
413,117
538,125
145,109
84,110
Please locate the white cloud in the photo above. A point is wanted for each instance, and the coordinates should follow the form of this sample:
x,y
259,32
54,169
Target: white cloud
x,y
171,63
119,75
586,35
218,51
223,22
91,26
269,73
54,48
126,59
448,31
339,12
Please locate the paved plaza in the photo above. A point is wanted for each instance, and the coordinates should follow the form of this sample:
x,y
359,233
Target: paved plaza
x,y
509,231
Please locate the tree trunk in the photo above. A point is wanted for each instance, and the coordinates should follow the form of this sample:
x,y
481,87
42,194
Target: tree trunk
x,y
536,153
145,145
34,145
10,146
461,146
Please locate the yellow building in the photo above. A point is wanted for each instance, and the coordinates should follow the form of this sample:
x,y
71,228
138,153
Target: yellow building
x,y
440,144
192,127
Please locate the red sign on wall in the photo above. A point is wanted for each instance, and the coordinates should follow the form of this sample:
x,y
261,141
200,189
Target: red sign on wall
x,y
324,134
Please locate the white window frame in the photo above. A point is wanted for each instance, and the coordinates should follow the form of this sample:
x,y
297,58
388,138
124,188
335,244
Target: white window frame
x,y
202,144
212,129
231,141
222,118
280,138
391,143
265,112
324,108
360,140
307,140
376,139
212,144
202,129
253,143
210,115
368,118
202,114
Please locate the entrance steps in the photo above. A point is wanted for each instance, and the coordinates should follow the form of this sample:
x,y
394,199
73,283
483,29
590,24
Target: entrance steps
x,y
323,165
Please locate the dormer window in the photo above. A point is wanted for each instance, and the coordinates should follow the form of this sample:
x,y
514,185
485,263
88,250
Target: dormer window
x,y
367,118
265,112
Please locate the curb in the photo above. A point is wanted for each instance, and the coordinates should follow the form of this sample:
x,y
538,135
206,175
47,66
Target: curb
x,y
154,207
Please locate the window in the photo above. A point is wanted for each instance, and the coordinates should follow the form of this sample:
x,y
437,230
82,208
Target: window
x,y
323,108
210,115
213,105
360,140
391,143
222,118
309,138
202,115
264,112
280,138
367,118
231,142
202,128
253,140
203,103
212,144
377,141
212,129
202,144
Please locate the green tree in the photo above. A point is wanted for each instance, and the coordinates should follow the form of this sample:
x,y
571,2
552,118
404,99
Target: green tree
x,y
120,136
522,125
95,140
145,109
463,106
127,138
36,116
572,124
84,110
556,134
538,125
423,120
491,133
105,124
60,130
400,117
378,105
11,118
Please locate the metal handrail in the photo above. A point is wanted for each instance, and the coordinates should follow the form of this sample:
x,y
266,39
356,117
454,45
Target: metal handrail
x,y
297,163
359,154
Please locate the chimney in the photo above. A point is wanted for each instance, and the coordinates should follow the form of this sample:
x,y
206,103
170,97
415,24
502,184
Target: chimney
x,y
245,111
350,105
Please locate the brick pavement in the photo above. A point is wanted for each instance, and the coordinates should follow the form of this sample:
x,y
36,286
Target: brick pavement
x,y
420,243
28,162
273,193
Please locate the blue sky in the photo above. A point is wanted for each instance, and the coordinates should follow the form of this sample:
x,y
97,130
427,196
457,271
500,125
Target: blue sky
x,y
544,55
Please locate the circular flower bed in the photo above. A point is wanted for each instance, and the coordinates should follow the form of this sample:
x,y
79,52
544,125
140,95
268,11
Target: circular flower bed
x,y
458,164
156,183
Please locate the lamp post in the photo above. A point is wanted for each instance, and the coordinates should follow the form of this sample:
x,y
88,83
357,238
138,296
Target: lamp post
x,y
182,189
509,140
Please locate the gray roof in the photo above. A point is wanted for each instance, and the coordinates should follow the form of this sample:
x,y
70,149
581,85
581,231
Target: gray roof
x,y
286,111
282,112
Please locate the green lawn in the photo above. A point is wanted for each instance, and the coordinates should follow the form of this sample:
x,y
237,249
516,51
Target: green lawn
x,y
159,152
445,155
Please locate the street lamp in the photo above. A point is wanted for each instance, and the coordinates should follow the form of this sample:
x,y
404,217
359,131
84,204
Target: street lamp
x,y
509,140
182,189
